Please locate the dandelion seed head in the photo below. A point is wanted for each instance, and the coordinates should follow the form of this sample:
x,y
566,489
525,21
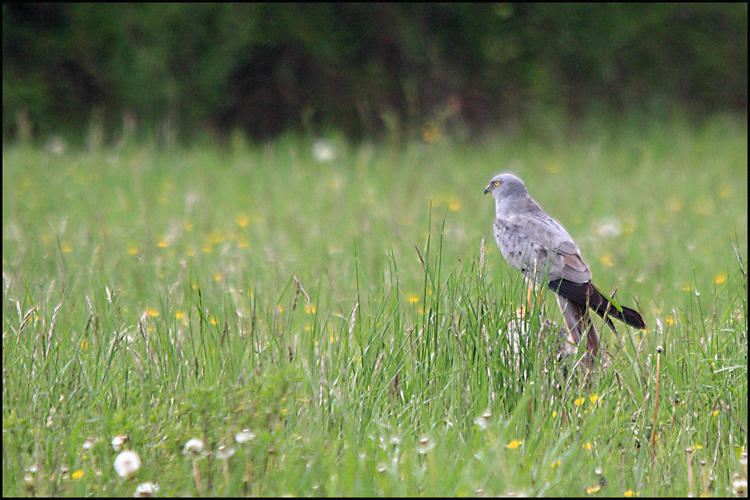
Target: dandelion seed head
x,y
126,463
609,227
244,436
118,441
147,489
88,444
223,453
324,150
425,445
193,447
739,485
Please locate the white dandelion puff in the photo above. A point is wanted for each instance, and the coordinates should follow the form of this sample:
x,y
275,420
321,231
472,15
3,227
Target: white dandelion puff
x,y
223,453
324,150
245,436
193,447
127,463
147,489
118,441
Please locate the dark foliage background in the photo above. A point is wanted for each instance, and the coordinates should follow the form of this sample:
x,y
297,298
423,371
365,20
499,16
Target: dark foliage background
x,y
362,69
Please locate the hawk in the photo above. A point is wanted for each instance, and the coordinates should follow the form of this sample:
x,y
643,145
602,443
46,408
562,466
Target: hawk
x,y
538,246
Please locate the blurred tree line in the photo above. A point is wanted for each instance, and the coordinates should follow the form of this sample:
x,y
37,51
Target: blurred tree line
x,y
362,69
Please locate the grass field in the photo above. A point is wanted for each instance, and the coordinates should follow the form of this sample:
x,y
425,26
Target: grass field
x,y
344,313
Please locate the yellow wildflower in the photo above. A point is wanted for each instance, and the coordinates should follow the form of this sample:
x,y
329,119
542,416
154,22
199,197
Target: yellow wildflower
x,y
514,444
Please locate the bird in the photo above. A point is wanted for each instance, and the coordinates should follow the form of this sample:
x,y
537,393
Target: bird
x,y
538,246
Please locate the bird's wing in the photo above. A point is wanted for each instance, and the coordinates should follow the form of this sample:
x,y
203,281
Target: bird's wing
x,y
540,248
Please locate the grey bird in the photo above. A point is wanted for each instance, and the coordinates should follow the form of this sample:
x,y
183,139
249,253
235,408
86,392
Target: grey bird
x,y
537,245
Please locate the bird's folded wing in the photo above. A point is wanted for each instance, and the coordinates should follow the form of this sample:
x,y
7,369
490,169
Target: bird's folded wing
x,y
540,248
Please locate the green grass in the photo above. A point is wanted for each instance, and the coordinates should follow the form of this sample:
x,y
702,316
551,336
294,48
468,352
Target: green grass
x,y
195,293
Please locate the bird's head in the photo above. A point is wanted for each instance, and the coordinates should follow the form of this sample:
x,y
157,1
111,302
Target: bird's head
x,y
505,185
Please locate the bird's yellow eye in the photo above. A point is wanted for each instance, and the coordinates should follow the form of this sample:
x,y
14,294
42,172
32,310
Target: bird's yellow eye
x,y
496,183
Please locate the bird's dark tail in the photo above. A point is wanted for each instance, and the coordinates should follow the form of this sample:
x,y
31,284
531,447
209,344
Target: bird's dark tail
x,y
586,292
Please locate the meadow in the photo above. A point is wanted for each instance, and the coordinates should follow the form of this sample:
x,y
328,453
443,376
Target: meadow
x,y
336,319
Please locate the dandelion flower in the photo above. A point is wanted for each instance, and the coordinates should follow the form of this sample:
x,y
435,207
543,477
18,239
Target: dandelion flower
x,y
578,401
242,219
245,436
631,493
413,299
594,398
587,445
77,474
147,489
514,444
127,463
593,489
720,278
193,447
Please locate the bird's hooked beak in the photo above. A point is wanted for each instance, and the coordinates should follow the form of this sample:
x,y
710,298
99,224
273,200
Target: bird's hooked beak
x,y
487,189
